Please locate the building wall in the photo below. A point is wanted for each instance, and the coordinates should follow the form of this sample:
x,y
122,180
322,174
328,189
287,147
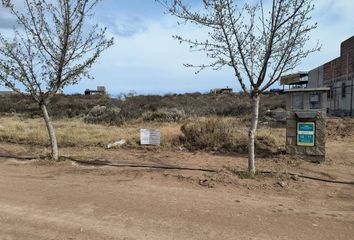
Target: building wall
x,y
341,100
334,74
316,78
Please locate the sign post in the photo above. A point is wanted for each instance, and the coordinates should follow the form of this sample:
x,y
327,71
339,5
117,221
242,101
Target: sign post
x,y
306,116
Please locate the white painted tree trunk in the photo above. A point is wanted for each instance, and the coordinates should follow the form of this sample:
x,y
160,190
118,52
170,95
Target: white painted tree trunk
x,y
252,134
51,133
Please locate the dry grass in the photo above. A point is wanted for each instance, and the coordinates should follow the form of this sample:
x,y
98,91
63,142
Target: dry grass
x,y
74,132
340,127
214,133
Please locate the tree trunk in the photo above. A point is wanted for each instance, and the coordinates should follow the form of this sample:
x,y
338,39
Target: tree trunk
x,y
252,133
51,133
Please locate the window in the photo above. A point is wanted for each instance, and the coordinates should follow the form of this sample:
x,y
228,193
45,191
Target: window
x,y
343,90
315,101
298,101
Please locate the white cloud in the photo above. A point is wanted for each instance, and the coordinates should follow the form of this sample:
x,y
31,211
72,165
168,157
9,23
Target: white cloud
x,y
152,62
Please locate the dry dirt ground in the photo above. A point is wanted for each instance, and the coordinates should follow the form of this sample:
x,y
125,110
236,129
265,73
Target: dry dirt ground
x,y
66,200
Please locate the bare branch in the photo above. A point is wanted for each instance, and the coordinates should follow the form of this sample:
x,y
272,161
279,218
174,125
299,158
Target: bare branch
x,y
50,50
259,44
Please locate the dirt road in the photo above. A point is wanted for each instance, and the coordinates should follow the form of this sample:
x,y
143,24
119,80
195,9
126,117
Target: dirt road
x,y
44,202
69,201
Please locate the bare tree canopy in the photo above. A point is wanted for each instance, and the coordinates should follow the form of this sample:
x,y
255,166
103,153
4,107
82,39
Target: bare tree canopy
x,y
53,46
260,41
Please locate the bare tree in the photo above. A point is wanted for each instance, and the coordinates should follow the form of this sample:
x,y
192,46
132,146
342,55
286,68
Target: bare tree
x,y
259,41
52,47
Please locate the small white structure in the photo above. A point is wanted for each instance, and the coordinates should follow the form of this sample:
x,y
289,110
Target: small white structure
x,y
149,136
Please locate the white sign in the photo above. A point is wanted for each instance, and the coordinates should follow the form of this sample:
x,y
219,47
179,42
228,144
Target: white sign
x,y
149,136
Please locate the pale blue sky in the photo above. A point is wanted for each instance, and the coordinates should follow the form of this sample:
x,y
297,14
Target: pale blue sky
x,y
147,60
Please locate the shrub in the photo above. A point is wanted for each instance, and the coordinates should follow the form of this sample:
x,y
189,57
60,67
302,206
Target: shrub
x,y
132,108
104,115
228,135
164,115
216,134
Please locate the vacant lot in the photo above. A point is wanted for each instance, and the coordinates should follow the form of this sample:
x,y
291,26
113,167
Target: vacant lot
x,y
133,192
211,133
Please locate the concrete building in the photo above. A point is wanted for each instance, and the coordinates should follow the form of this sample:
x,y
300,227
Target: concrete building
x,y
338,76
295,80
